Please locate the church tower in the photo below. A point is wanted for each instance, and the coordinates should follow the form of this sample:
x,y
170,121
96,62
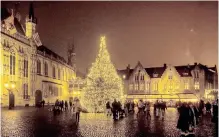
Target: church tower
x,y
72,56
31,22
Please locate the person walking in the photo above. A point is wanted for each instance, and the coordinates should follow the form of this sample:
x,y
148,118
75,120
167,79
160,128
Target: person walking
x,y
147,107
108,109
66,105
77,109
115,109
208,107
183,121
215,112
70,104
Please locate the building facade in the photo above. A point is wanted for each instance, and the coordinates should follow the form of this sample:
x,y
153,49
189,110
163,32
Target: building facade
x,y
30,71
170,83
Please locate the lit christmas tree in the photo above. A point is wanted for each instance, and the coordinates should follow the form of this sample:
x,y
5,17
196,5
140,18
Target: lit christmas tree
x,y
102,83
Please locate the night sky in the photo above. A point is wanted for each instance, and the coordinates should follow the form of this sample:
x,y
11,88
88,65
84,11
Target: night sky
x,y
154,33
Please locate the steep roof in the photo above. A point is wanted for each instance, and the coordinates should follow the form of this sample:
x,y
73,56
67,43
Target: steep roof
x,y
155,70
182,70
49,52
6,14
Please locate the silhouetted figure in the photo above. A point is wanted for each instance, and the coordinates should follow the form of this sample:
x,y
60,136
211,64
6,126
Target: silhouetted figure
x,y
108,109
115,109
208,107
77,109
215,112
183,121
66,105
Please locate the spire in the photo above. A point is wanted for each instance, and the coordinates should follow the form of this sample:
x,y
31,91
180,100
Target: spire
x,y
31,16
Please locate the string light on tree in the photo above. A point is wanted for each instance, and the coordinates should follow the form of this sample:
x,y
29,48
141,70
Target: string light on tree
x,y
102,83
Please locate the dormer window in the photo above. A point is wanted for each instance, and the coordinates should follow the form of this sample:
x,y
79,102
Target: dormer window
x,y
185,74
155,75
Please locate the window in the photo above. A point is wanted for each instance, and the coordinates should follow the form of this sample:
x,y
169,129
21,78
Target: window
x,y
136,77
38,67
155,75
136,86
147,86
142,86
156,86
58,73
54,72
46,69
170,77
196,85
25,91
25,68
186,85
130,86
171,86
12,64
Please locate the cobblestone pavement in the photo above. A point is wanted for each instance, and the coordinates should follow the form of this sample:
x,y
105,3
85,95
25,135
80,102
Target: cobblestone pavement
x,y
39,122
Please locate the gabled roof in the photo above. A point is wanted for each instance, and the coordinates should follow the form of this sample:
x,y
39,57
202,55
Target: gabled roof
x,y
155,70
5,14
50,53
80,74
125,72
184,69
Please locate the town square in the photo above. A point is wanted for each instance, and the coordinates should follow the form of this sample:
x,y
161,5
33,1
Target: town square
x,y
109,68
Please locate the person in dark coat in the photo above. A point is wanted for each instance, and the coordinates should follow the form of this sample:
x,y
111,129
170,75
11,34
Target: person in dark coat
x,y
183,121
66,105
215,112
115,109
208,107
201,107
108,109
192,118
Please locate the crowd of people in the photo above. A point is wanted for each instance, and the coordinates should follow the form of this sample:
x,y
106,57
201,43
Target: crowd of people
x,y
74,107
191,113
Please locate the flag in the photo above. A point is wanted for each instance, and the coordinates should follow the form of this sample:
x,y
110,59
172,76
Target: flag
x,y
37,40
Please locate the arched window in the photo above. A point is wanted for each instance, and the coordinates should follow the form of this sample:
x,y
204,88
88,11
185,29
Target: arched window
x,y
12,63
58,73
38,67
54,72
46,69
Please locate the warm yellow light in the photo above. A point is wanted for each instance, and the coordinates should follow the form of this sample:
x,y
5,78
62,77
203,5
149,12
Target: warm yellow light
x,y
124,76
12,85
6,85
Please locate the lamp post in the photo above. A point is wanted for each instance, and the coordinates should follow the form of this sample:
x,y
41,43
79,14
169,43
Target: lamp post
x,y
10,87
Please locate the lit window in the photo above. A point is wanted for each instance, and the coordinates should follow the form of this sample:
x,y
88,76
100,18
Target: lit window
x,y
186,85
136,87
142,87
196,85
12,64
124,76
130,86
156,86
171,86
25,91
147,86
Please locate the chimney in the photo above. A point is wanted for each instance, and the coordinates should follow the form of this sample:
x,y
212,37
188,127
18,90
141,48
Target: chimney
x,y
128,68
165,65
195,63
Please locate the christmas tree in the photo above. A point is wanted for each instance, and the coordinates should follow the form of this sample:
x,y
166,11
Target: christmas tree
x,y
102,83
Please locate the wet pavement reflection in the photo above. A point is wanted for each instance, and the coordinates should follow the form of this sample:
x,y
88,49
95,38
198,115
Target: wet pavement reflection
x,y
40,122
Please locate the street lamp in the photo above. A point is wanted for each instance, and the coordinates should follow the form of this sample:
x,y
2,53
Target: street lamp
x,y
6,85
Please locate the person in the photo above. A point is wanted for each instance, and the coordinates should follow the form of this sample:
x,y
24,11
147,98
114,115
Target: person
x,y
66,105
126,108
163,107
215,112
119,109
192,118
108,109
140,106
77,109
70,104
208,107
115,109
43,102
183,121
201,107
147,107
